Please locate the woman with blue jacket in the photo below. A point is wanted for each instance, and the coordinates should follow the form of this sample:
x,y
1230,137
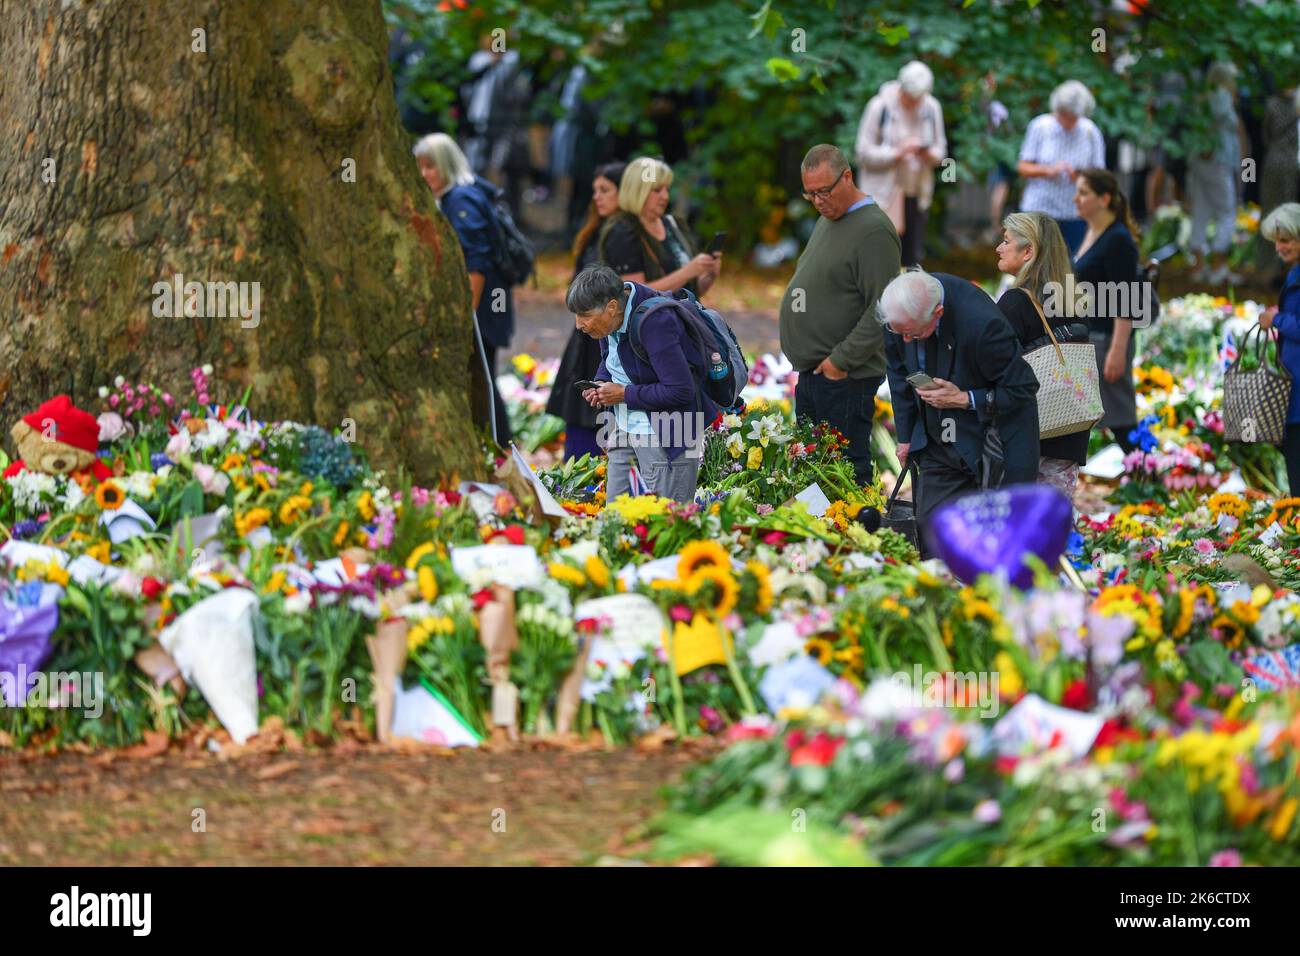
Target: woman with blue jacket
x,y
466,200
656,410
1282,228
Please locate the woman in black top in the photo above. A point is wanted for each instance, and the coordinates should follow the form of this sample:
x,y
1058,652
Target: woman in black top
x,y
1033,250
642,243
1109,254
582,355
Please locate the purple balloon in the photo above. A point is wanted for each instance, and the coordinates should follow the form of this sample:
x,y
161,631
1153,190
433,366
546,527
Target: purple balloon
x,y
993,531
24,646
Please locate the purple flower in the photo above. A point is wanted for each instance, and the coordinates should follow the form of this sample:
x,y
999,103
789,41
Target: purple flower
x,y
25,529
987,811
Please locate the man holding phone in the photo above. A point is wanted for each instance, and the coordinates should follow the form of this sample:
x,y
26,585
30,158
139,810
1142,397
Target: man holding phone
x,y
828,325
955,368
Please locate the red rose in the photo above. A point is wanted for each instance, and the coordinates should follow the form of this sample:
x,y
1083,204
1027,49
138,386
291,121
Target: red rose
x,y
1076,696
515,534
482,597
152,587
818,752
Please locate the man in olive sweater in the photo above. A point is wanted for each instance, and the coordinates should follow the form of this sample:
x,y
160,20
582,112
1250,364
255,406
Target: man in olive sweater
x,y
829,330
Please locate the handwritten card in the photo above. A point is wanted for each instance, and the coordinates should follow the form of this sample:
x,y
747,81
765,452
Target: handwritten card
x,y
514,565
635,621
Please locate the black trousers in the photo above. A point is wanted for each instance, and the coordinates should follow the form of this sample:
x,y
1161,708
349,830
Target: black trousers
x,y
504,434
915,221
1291,452
944,475
848,405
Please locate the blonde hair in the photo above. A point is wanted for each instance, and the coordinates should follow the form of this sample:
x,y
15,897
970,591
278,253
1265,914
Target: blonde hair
x,y
1284,222
441,152
642,176
1050,261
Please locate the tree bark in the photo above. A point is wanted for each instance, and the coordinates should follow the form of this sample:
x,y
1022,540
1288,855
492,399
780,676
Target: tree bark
x,y
223,156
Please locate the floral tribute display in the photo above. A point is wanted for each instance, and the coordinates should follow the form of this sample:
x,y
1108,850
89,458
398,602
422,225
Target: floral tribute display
x,y
195,572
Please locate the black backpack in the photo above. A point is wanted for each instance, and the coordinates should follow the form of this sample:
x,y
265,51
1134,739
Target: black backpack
x,y
512,251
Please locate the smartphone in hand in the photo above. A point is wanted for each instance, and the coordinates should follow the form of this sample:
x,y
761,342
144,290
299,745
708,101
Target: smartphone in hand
x,y
715,246
919,380
583,385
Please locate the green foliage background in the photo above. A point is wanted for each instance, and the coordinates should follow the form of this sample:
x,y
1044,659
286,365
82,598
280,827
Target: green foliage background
x,y
772,96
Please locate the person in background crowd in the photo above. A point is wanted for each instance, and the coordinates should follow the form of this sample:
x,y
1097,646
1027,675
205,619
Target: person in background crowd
x,y
1033,251
466,200
1001,176
496,110
642,242
1280,171
582,355
661,412
900,141
1212,181
828,327
1282,228
1057,145
1168,172
949,329
1109,253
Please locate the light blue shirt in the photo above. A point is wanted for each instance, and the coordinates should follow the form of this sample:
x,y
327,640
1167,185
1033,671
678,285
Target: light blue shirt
x,y
864,201
632,421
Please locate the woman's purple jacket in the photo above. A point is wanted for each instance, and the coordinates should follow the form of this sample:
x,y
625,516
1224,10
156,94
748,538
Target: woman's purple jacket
x,y
669,382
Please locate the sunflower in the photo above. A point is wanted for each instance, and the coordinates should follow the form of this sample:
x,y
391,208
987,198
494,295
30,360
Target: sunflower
x,y
101,551
567,574
820,648
251,520
1284,512
597,571
1227,503
763,578
850,657
293,508
366,505
428,583
700,554
418,553
109,495
341,535
725,588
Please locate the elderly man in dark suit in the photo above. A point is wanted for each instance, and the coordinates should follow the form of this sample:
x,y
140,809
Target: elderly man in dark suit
x,y
954,366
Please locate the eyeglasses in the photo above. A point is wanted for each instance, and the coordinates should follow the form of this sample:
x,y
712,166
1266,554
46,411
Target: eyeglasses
x,y
824,193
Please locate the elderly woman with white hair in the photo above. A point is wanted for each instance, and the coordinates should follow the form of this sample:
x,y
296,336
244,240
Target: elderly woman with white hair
x,y
1282,228
900,141
1057,145
1212,180
466,200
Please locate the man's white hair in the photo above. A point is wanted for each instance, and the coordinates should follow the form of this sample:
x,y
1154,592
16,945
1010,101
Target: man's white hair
x,y
1072,97
916,79
909,300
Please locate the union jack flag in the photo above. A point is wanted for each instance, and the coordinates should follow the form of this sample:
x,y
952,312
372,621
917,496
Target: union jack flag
x,y
636,486
1228,353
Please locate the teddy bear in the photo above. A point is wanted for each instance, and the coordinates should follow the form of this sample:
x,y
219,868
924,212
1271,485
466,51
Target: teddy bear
x,y
58,439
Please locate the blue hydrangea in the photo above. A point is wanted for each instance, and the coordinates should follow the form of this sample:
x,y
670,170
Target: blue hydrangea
x,y
327,457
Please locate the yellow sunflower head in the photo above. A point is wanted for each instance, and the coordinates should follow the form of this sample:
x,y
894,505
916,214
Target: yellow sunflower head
x,y
700,554
109,495
725,590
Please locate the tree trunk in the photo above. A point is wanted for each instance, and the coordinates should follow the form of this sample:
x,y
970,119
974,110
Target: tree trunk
x,y
216,140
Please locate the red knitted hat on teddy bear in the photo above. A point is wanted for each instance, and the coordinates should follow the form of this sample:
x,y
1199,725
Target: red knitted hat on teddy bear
x,y
72,426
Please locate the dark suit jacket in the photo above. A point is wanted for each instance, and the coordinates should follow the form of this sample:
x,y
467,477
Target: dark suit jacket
x,y
670,381
977,350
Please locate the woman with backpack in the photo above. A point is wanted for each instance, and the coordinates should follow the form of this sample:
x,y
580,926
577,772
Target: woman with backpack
x,y
467,201
642,242
1034,252
656,409
582,354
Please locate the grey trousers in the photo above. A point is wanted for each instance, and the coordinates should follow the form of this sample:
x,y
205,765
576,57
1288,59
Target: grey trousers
x,y
669,479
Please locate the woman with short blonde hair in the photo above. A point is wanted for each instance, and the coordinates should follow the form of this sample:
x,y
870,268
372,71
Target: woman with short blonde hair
x,y
1282,228
642,241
